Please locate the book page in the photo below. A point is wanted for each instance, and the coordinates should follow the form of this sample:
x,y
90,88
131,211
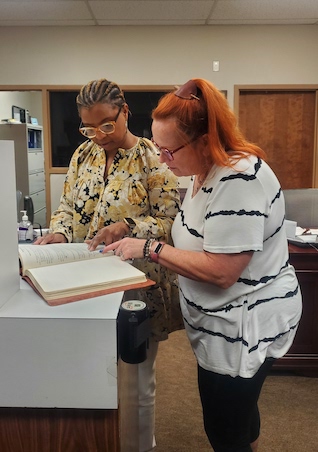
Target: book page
x,y
33,256
83,276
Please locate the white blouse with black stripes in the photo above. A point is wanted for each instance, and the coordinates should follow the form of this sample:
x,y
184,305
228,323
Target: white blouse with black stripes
x,y
232,331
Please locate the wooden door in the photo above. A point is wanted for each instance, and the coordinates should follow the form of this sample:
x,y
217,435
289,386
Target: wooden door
x,y
282,122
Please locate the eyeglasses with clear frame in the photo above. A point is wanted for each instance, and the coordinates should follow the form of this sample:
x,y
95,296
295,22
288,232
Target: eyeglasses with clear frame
x,y
167,152
107,128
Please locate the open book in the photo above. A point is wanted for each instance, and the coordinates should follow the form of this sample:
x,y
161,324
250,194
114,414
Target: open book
x,y
66,272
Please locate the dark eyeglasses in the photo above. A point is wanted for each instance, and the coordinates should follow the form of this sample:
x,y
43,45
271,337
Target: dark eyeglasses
x,y
107,128
188,91
167,152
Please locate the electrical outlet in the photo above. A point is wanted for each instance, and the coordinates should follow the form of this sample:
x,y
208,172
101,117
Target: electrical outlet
x,y
216,65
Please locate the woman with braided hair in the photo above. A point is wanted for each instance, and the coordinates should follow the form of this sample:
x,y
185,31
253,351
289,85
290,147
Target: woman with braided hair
x,y
115,186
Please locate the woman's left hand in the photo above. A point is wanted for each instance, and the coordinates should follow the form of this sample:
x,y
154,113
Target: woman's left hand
x,y
127,248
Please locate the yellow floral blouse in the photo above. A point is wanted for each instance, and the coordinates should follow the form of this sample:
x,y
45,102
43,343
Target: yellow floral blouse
x,y
139,187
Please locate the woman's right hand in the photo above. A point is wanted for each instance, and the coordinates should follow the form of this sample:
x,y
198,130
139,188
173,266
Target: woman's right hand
x,y
108,234
50,238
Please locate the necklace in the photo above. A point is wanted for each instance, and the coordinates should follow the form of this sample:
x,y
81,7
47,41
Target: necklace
x,y
199,181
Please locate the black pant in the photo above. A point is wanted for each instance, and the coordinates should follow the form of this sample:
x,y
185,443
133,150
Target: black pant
x,y
230,411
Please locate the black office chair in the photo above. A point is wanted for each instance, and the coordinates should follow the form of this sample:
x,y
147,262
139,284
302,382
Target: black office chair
x,y
302,206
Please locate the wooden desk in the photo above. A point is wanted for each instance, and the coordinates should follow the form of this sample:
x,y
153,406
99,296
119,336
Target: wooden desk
x,y
303,355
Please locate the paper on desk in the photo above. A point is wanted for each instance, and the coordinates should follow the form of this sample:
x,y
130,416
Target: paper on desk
x,y
301,231
306,235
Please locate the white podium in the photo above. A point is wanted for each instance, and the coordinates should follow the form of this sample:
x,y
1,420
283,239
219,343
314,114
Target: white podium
x,y
62,356
59,376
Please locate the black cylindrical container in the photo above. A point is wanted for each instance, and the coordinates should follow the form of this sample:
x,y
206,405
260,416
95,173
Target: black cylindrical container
x,y
133,331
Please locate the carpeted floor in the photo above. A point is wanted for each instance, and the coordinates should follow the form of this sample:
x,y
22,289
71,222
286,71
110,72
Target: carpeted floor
x,y
288,406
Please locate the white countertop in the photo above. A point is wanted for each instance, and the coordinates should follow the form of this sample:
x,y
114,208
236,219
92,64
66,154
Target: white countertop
x,y
27,304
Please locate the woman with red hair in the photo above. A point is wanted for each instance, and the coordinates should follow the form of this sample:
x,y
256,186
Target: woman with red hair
x,y
239,295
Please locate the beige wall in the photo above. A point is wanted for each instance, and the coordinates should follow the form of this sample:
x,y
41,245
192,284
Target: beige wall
x,y
29,100
159,55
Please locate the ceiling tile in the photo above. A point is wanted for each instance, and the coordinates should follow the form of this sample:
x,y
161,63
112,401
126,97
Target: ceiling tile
x,y
46,23
151,10
265,10
44,10
157,12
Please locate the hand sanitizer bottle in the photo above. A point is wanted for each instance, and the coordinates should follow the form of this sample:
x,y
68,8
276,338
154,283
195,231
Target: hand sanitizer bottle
x,y
25,228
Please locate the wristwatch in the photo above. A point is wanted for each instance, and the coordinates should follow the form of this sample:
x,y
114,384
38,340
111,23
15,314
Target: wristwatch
x,y
154,255
130,223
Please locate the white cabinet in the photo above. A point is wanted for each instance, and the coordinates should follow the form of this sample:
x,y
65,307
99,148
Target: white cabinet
x,y
60,358
29,163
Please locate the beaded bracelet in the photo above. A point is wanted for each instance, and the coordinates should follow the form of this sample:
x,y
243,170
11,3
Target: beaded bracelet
x,y
147,246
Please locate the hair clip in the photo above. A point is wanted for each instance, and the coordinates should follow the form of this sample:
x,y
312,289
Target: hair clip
x,y
187,91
